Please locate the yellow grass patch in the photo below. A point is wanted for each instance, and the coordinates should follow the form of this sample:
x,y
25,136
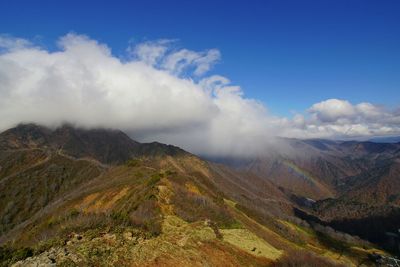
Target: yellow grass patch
x,y
192,188
243,218
295,228
99,202
249,242
369,250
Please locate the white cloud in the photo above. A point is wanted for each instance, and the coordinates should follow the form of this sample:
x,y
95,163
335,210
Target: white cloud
x,y
150,52
332,110
10,43
335,118
83,83
147,96
369,111
160,54
183,59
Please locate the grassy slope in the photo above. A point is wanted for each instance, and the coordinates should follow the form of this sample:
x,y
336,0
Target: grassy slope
x,y
172,208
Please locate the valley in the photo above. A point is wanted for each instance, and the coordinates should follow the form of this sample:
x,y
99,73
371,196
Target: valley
x,y
78,197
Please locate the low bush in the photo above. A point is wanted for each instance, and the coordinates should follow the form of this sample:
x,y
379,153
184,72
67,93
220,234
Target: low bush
x,y
148,217
132,162
10,255
301,258
154,179
194,207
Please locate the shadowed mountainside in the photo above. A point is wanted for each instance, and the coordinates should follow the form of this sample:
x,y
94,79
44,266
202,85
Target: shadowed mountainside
x,y
319,169
352,186
104,145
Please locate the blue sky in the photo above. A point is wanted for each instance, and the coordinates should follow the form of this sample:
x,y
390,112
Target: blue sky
x,y
288,54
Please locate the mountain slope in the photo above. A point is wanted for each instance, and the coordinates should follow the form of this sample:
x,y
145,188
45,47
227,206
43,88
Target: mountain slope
x,y
68,198
318,169
349,185
104,145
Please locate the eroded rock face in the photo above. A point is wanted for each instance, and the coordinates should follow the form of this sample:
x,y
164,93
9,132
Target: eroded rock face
x,y
52,257
180,244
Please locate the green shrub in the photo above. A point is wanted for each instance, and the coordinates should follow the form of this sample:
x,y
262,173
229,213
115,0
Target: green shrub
x,y
133,163
73,213
9,255
154,179
52,221
139,174
169,172
120,217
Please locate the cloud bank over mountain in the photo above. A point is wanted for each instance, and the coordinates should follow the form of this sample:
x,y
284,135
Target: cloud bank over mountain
x,y
159,92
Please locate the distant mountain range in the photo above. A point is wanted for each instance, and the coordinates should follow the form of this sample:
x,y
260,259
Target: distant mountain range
x,y
356,185
388,139
79,197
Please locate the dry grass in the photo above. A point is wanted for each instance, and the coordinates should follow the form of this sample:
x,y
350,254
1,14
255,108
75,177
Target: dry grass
x,y
101,202
246,240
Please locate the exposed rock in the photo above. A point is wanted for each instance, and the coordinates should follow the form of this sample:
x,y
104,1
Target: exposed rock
x,y
52,257
128,236
111,237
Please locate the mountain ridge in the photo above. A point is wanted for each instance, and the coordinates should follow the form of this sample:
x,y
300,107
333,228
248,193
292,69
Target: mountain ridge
x,y
59,192
104,145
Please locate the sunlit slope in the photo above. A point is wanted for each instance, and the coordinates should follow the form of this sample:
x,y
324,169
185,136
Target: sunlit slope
x,y
161,206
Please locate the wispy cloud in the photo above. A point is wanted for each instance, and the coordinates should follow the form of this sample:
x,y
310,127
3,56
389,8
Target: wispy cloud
x,y
161,93
8,42
161,54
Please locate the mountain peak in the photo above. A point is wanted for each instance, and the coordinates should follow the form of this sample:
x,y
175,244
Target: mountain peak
x,y
24,136
105,145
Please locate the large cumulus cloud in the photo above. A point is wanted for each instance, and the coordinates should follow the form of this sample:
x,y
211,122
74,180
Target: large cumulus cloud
x,y
158,92
338,118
